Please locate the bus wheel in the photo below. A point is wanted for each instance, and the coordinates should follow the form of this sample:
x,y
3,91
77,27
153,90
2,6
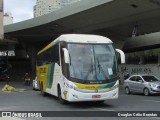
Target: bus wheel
x,y
61,100
42,92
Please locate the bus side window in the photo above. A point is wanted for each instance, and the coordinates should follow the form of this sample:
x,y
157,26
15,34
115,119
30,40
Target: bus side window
x,y
54,54
49,56
57,54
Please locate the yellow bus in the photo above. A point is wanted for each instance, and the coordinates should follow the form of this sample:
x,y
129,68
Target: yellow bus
x,y
79,67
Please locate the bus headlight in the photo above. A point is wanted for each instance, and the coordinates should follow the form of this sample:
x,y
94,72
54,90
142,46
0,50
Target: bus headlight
x,y
72,87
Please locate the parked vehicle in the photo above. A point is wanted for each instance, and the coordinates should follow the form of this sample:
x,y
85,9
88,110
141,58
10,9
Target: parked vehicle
x,y
147,84
35,84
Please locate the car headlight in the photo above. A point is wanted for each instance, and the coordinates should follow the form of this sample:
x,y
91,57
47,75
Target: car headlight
x,y
152,85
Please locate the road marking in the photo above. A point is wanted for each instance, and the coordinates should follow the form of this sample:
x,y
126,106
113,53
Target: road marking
x,y
8,108
123,95
151,101
11,118
25,95
103,109
156,118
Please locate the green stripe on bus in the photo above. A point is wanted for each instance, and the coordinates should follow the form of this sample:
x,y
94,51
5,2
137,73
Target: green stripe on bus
x,y
50,75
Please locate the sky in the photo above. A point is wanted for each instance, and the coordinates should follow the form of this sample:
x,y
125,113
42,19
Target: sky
x,y
20,9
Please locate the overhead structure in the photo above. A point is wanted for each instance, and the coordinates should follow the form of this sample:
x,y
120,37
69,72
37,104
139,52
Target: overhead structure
x,y
107,17
142,42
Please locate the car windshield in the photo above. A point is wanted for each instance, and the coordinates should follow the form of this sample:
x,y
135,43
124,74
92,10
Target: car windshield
x,y
92,62
150,78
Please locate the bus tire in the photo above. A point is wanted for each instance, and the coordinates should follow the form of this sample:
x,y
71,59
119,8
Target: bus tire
x,y
41,88
61,100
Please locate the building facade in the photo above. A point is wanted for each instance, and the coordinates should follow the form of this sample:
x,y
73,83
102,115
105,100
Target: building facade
x,y
1,20
67,2
46,6
7,19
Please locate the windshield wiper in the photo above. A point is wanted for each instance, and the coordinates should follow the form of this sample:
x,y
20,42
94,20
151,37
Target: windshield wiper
x,y
92,65
98,65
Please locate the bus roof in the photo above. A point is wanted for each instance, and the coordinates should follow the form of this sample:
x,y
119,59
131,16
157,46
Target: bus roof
x,y
84,38
78,38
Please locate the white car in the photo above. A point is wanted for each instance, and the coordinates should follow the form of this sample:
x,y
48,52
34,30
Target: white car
x,y
35,84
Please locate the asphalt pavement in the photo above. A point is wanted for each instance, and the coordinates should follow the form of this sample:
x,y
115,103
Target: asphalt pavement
x,y
26,99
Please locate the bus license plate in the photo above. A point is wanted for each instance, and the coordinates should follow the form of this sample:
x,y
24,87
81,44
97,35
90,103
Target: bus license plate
x,y
96,96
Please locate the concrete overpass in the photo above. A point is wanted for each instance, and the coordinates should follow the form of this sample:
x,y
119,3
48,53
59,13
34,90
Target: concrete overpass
x,y
112,18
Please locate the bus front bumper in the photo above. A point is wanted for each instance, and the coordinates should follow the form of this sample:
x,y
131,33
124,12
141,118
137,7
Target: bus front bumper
x,y
76,96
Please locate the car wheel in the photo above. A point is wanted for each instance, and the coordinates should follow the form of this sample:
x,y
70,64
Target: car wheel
x,y
61,100
146,92
127,91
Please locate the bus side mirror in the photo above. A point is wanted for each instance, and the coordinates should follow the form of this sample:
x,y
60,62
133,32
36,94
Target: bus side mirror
x,y
122,55
66,55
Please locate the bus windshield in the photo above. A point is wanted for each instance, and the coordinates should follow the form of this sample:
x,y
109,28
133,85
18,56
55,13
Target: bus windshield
x,y
92,62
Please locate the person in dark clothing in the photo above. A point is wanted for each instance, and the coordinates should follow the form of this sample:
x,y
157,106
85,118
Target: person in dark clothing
x,y
27,79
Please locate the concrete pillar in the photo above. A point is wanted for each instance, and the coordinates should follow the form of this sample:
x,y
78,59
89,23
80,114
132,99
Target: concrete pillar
x,y
1,20
32,52
142,58
159,59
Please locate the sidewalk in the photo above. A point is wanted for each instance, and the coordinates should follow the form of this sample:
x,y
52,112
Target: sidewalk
x,y
19,86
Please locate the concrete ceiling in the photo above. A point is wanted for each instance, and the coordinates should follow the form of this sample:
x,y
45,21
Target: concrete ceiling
x,y
105,17
142,42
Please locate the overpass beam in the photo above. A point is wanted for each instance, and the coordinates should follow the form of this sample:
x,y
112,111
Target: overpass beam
x,y
159,59
118,42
